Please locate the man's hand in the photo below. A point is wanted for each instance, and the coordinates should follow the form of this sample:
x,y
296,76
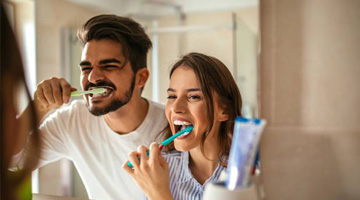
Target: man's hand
x,y
151,172
51,94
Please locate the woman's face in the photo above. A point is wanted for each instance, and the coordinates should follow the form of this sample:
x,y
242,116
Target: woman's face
x,y
186,106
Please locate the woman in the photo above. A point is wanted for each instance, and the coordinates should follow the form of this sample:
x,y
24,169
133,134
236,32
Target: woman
x,y
202,93
11,77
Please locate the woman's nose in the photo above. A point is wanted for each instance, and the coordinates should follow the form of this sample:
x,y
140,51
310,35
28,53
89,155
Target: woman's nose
x,y
95,75
179,106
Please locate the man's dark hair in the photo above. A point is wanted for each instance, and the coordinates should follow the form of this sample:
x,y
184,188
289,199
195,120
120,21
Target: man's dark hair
x,y
132,37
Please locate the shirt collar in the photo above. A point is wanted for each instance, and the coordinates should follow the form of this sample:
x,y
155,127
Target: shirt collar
x,y
185,173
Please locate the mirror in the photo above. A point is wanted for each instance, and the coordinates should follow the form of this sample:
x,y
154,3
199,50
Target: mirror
x,y
226,29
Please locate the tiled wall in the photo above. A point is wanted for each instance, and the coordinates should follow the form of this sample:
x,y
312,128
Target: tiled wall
x,y
310,95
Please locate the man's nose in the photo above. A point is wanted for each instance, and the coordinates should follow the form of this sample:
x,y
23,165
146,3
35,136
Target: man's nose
x,y
95,75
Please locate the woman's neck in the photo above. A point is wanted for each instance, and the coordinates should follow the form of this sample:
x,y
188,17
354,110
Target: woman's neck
x,y
203,166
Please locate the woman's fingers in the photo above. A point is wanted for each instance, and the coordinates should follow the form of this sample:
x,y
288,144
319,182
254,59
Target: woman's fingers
x,y
127,168
155,154
134,159
143,152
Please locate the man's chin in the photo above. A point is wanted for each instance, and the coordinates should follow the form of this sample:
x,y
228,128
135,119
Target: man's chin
x,y
98,110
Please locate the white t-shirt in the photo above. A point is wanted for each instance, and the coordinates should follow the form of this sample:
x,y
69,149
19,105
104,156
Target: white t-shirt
x,y
96,151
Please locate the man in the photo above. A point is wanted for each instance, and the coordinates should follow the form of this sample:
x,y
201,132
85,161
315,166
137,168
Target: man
x,y
113,58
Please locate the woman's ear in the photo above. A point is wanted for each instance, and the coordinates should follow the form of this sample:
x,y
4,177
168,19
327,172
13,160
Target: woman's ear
x,y
142,76
224,116
222,113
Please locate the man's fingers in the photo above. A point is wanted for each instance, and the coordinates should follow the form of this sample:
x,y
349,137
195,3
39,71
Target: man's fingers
x,y
47,91
39,95
66,90
57,92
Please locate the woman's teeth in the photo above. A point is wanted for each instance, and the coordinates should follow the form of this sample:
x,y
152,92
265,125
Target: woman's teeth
x,y
181,125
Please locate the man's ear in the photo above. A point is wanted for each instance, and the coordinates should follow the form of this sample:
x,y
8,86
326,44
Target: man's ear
x,y
142,76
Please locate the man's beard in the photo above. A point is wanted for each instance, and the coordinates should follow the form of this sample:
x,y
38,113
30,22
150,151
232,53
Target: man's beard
x,y
116,103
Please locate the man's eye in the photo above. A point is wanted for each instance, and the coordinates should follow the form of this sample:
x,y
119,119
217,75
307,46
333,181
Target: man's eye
x,y
110,66
86,69
171,97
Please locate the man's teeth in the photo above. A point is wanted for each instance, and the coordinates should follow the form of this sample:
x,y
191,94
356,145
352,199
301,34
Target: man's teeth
x,y
107,92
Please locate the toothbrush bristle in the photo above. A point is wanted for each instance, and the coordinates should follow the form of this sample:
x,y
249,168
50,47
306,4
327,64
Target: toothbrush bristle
x,y
98,90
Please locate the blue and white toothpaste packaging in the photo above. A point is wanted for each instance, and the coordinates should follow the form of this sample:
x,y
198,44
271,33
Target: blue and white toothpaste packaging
x,y
244,147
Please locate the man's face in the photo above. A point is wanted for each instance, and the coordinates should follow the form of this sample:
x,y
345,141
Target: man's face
x,y
102,65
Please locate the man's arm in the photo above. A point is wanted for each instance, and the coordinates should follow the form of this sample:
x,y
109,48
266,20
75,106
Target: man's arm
x,y
50,94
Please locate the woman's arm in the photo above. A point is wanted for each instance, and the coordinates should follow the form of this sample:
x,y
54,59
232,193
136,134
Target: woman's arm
x,y
151,172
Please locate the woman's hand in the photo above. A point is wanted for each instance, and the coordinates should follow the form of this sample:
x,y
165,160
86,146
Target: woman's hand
x,y
151,172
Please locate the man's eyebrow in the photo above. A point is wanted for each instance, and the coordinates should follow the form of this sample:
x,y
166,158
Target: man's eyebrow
x,y
101,62
107,61
85,63
170,90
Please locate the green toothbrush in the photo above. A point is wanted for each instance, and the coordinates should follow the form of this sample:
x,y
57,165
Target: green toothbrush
x,y
93,91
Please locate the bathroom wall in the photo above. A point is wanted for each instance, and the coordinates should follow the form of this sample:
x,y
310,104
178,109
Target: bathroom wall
x,y
311,98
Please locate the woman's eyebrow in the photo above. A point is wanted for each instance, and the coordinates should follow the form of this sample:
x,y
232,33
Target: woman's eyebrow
x,y
188,90
193,89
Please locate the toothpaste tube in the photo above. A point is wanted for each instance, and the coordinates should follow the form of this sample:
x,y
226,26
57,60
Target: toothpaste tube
x,y
244,146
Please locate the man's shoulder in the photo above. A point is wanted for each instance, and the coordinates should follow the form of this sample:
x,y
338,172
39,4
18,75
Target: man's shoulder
x,y
156,112
156,106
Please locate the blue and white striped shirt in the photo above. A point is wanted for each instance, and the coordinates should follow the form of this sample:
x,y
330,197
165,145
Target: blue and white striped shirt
x,y
183,186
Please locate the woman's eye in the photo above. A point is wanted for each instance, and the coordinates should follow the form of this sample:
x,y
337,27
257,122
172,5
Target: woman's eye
x,y
194,97
171,97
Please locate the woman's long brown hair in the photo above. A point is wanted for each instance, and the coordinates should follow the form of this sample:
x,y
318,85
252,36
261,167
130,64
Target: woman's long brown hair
x,y
213,76
11,75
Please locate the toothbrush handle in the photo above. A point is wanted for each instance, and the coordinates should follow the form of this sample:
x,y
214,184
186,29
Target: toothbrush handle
x,y
147,153
77,93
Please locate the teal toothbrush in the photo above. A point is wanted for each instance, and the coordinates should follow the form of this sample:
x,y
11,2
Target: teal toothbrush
x,y
93,91
168,141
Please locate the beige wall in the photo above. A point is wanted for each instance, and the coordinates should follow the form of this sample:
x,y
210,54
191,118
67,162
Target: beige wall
x,y
217,43
310,96
237,49
51,16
